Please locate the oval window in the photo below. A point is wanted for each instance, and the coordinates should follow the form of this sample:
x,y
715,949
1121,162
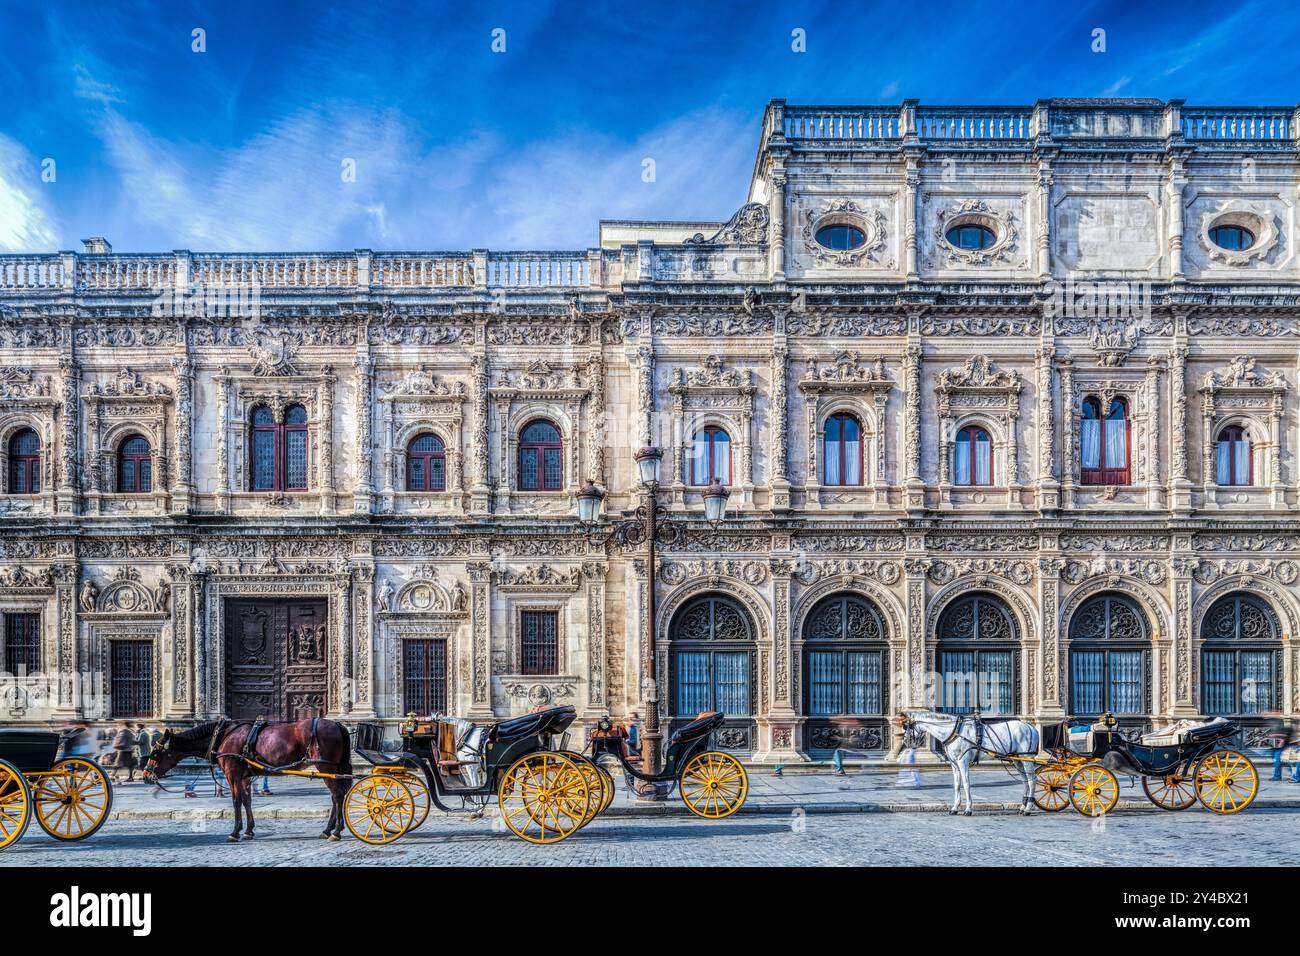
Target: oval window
x,y
971,236
1232,238
841,237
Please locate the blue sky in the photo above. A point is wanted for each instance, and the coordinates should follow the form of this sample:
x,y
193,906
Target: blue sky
x,y
241,147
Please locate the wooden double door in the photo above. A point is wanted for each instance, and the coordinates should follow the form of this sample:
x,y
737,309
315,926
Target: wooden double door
x,y
277,659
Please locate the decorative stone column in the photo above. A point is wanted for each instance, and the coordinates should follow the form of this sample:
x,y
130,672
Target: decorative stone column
x,y
645,362
912,427
223,440
780,423
1180,495
911,184
1051,706
1048,487
480,490
1044,203
183,488
777,180
1184,658
480,578
363,627
914,571
1174,188
202,679
1069,409
782,719
68,674
363,496
325,438
179,703
68,494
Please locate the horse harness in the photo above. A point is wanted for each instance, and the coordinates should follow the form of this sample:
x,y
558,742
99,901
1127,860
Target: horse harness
x,y
248,753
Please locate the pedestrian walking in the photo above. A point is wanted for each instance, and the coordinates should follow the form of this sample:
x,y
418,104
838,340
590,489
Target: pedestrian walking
x,y
143,745
633,735
124,754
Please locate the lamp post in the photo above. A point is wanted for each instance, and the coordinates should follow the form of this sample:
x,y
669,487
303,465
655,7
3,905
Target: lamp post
x,y
648,527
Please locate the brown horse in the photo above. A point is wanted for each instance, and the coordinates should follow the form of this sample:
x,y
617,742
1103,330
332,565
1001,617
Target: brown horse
x,y
321,743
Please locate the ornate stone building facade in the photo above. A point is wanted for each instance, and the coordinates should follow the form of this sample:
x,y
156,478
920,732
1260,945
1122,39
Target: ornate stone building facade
x,y
1005,398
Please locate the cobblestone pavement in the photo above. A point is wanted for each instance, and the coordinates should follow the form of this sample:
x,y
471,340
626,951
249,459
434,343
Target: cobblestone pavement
x,y
1258,837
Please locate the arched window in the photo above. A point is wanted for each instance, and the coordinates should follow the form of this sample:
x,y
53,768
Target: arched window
x,y
844,655
972,462
843,450
1233,457
541,457
1240,658
24,463
1109,645
712,667
426,462
978,644
279,450
134,466
711,456
1104,443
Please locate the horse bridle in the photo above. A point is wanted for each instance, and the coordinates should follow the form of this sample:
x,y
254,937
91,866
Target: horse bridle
x,y
159,750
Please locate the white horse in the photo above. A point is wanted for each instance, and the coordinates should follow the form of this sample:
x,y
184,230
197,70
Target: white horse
x,y
961,739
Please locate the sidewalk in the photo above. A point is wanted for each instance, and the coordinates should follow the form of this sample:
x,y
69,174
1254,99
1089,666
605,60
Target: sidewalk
x,y
872,790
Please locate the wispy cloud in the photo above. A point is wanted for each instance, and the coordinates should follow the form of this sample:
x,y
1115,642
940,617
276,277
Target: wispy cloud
x,y
25,222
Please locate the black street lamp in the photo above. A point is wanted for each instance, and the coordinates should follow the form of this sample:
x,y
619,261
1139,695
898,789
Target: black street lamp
x,y
646,526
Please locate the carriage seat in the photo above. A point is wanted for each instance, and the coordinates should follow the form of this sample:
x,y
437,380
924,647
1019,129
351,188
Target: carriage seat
x,y
1187,731
701,726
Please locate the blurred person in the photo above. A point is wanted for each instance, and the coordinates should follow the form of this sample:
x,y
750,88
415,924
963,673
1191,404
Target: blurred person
x,y
124,753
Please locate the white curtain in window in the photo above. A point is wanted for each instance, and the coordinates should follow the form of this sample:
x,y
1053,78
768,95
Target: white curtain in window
x,y
852,455
961,460
1241,455
1090,442
983,460
722,457
700,459
832,459
1116,443
1223,463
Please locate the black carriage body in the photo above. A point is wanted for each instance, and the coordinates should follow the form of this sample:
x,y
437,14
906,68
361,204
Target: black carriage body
x,y
507,741
1121,755
31,751
687,742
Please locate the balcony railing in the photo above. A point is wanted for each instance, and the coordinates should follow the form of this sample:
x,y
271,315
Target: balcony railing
x,y
814,123
30,273
435,270
275,271
1008,123
515,270
1247,125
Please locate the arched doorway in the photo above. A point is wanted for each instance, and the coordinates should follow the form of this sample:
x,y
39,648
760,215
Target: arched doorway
x,y
712,669
1241,662
1110,660
978,652
846,676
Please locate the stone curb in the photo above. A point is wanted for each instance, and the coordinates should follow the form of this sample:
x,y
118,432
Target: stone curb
x,y
677,810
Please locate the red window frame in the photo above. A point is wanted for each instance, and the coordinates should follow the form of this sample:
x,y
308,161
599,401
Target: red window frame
x,y
973,431
427,458
711,433
25,469
538,449
1106,474
279,432
1243,435
139,465
842,418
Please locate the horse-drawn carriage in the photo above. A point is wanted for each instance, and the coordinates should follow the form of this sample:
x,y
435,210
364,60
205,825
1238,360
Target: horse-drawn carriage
x,y
712,784
70,797
1179,766
546,792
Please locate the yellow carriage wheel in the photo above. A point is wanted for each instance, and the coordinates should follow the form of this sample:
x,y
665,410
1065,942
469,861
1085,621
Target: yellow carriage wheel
x,y
609,787
73,799
420,794
1226,782
378,809
714,785
543,797
15,805
595,785
1052,788
1093,790
1173,791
